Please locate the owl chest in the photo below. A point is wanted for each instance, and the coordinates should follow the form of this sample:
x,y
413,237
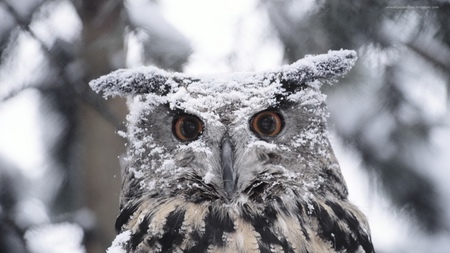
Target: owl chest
x,y
189,227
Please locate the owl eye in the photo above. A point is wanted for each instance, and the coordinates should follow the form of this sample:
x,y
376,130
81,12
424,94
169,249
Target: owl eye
x,y
267,123
187,127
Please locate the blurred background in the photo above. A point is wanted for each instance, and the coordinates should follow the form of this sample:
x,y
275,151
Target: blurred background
x,y
60,154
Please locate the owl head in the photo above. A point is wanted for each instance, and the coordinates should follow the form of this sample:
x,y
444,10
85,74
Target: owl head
x,y
229,136
234,160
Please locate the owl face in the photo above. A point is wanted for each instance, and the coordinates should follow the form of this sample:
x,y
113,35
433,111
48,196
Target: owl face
x,y
217,136
233,163
223,135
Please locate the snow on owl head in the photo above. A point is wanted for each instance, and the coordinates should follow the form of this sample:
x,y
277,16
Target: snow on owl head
x,y
233,163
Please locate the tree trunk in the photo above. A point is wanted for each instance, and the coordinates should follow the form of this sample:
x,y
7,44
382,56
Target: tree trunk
x,y
102,52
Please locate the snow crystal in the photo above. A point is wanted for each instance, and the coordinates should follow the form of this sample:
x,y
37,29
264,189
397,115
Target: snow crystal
x,y
208,177
118,243
198,147
122,134
151,185
308,96
137,174
262,144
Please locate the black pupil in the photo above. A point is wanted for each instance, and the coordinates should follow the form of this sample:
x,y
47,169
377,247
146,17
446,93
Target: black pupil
x,y
189,127
267,124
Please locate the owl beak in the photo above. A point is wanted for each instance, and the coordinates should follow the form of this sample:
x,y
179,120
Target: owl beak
x,y
227,166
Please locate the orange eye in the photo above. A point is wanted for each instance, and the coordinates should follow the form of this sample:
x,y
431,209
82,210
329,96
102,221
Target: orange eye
x,y
267,123
187,127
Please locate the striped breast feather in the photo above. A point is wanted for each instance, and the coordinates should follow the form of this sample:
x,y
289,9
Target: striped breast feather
x,y
176,225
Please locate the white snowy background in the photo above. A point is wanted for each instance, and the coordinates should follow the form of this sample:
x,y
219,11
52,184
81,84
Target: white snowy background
x,y
225,36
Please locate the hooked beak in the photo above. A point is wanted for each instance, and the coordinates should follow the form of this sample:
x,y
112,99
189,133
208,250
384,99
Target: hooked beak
x,y
227,166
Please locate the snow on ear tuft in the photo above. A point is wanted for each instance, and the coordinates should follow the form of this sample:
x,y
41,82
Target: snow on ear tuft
x,y
325,67
306,71
124,82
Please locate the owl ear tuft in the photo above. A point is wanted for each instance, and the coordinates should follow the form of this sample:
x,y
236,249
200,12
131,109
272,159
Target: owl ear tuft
x,y
325,67
124,82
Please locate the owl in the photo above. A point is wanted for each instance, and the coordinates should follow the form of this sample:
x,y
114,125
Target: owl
x,y
237,162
